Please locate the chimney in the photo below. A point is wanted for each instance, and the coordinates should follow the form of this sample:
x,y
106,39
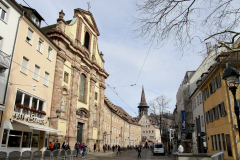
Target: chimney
x,y
209,47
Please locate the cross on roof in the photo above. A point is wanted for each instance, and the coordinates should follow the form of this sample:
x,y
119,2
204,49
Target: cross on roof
x,y
88,6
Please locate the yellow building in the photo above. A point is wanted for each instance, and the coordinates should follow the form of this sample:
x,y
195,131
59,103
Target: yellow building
x,y
80,81
221,131
119,127
25,124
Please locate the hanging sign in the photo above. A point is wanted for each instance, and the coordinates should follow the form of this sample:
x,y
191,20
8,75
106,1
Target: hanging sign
x,y
183,121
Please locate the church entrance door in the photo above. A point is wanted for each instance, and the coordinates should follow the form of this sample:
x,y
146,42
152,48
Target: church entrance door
x,y
79,132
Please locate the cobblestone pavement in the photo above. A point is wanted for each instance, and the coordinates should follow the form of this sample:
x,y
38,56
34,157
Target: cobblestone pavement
x,y
125,155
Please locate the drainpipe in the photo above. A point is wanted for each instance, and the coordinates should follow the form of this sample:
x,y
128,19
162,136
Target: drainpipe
x,y
9,72
233,122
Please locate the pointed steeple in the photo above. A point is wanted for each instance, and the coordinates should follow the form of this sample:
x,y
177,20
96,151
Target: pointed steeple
x,y
143,103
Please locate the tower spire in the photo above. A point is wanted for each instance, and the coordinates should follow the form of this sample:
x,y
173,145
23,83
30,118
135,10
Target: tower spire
x,y
143,102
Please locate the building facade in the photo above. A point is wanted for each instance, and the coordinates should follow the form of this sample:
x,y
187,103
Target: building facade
x,y
25,124
119,127
10,16
222,133
80,79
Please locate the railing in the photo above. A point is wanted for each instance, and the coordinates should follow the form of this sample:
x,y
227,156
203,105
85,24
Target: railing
x,y
4,61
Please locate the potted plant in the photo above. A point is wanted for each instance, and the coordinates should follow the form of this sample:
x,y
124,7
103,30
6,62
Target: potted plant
x,y
19,105
26,108
43,113
33,109
39,111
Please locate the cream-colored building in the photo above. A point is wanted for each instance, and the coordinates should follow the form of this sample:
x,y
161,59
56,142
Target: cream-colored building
x,y
25,124
120,128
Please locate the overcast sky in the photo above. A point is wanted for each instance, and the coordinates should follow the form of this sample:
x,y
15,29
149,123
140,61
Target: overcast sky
x,y
124,54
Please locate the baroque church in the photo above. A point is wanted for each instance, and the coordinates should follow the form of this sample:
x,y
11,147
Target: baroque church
x,y
80,79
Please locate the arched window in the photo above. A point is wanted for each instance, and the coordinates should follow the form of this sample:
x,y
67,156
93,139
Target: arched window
x,y
82,88
86,42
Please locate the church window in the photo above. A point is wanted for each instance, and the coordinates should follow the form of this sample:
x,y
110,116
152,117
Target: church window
x,y
82,88
86,42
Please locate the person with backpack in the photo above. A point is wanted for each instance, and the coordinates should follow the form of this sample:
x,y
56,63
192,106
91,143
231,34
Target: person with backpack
x,y
55,145
77,148
83,150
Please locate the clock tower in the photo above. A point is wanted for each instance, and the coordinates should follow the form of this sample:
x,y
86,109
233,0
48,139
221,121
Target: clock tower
x,y
143,106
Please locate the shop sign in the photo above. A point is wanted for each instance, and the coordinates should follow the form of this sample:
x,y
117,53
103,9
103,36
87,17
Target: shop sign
x,y
29,118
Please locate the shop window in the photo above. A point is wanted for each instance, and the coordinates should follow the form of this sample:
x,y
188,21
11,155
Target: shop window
x,y
4,138
26,141
14,139
46,140
35,140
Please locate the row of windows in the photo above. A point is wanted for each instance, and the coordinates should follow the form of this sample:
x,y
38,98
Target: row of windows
x,y
216,113
146,126
213,86
29,38
143,121
218,142
197,101
36,74
150,131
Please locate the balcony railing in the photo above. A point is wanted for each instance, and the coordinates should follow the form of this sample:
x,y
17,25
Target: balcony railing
x,y
4,61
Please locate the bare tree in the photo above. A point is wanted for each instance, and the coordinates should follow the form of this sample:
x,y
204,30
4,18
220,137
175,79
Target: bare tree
x,y
185,21
158,107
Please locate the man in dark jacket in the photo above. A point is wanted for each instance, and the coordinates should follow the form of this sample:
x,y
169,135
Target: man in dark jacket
x,y
139,151
113,147
63,145
55,145
94,147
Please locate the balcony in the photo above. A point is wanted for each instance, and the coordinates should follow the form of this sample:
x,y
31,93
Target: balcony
x,y
4,61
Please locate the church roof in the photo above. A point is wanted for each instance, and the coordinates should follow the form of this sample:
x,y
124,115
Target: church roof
x,y
143,103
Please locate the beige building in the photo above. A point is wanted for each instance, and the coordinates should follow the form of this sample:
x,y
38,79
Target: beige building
x,y
119,127
25,124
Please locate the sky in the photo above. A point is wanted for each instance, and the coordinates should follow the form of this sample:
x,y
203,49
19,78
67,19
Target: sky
x,y
125,53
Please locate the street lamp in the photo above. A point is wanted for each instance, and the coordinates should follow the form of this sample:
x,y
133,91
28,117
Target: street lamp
x,y
231,77
58,112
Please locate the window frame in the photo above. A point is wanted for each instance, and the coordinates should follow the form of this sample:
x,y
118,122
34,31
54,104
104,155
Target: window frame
x,y
65,77
38,74
49,56
46,80
40,45
26,68
31,39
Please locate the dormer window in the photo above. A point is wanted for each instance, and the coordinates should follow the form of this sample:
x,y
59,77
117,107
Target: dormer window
x,y
35,20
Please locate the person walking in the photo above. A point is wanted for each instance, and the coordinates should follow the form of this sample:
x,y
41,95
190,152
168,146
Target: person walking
x,y
64,144
76,146
55,145
51,146
119,149
67,147
104,148
139,149
113,148
108,148
94,147
79,146
83,150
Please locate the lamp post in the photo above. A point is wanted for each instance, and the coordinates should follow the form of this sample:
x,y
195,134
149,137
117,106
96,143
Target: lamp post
x,y
231,77
194,143
58,112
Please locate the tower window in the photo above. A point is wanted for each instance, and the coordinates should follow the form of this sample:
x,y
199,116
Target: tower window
x,y
86,42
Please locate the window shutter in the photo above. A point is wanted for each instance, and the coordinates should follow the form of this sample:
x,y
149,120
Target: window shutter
x,y
207,92
216,112
223,109
238,102
5,8
24,65
46,78
211,115
210,87
219,80
204,96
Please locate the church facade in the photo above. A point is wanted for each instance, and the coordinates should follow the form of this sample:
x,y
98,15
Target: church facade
x,y
80,81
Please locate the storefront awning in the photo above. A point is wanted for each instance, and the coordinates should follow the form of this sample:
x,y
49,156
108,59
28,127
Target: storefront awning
x,y
37,126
